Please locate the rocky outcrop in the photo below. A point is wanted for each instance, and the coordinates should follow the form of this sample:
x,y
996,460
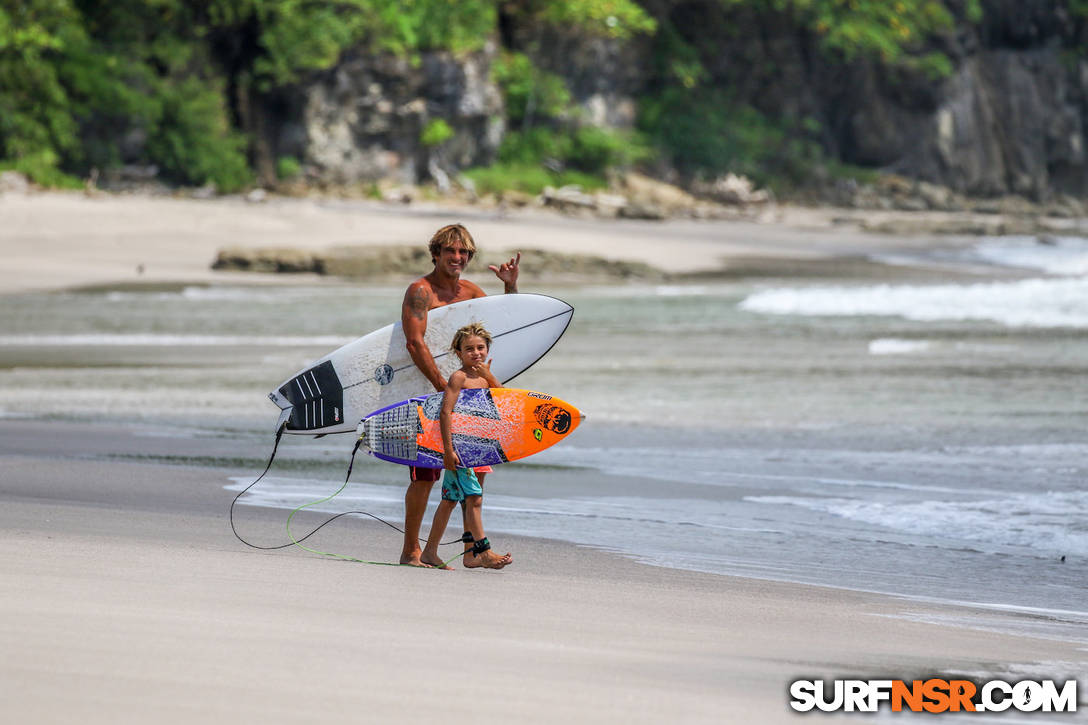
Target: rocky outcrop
x,y
376,262
364,120
12,182
1007,121
635,196
603,75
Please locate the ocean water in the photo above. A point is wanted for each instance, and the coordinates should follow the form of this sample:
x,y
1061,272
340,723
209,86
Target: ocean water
x,y
926,439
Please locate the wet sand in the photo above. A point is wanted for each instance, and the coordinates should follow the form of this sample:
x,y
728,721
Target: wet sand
x,y
129,599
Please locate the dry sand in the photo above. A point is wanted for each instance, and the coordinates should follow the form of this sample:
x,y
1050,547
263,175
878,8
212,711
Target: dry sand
x,y
127,599
58,240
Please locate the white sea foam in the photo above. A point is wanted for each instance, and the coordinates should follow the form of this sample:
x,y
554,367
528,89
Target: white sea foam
x,y
1062,625
1058,255
895,346
281,492
1040,452
1041,522
166,340
619,521
1043,303
681,291
226,294
716,467
643,291
694,466
1061,256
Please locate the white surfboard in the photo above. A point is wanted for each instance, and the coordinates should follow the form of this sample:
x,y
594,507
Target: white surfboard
x,y
333,394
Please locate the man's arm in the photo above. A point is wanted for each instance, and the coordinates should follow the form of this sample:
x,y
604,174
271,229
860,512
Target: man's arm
x,y
413,318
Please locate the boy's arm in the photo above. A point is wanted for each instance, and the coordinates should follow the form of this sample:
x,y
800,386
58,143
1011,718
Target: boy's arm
x,y
450,459
413,318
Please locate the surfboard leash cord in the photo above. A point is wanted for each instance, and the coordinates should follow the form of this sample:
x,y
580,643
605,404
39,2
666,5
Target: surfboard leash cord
x,y
344,557
275,446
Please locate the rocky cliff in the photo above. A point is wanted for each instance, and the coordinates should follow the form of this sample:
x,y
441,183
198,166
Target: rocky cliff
x,y
1009,119
364,120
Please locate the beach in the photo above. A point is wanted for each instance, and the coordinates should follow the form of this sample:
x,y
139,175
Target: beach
x,y
60,240
132,412
129,598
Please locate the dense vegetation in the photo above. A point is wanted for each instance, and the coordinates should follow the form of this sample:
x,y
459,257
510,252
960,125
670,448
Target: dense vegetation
x,y
93,83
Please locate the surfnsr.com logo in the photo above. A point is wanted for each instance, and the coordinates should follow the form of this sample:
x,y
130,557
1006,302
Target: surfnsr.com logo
x,y
933,695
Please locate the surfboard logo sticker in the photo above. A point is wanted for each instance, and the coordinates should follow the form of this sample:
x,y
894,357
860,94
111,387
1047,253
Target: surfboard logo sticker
x,y
384,374
553,417
538,434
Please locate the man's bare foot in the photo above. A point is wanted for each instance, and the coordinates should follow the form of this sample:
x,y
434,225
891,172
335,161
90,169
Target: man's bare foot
x,y
434,562
413,560
487,560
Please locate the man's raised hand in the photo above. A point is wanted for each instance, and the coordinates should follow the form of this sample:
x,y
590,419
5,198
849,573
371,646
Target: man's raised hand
x,y
508,272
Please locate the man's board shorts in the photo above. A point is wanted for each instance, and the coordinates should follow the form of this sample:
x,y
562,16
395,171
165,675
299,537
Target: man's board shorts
x,y
433,474
460,483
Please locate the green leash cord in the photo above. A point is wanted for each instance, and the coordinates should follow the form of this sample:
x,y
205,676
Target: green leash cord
x,y
330,497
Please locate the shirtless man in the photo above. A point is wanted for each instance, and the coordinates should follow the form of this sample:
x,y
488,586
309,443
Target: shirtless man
x,y
451,247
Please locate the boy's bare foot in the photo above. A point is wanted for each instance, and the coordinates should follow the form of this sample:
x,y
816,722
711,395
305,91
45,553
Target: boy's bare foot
x,y
434,562
487,560
413,560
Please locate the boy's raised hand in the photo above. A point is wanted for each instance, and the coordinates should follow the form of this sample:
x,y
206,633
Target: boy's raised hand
x,y
483,370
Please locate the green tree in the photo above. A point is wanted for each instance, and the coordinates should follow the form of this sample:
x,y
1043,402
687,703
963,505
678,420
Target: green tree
x,y
621,19
42,44
73,74
893,31
528,90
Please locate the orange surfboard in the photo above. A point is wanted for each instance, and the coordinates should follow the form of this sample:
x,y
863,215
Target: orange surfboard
x,y
489,426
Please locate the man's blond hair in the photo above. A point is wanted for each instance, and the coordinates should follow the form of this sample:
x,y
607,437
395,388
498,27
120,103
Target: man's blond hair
x,y
448,235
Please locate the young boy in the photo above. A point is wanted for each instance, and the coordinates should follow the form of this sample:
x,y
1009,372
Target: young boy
x,y
471,343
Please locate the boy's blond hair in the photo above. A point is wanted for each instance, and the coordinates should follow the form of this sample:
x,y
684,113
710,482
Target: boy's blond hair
x,y
473,328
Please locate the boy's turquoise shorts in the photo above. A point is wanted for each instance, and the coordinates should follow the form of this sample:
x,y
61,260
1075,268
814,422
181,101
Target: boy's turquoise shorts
x,y
460,483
